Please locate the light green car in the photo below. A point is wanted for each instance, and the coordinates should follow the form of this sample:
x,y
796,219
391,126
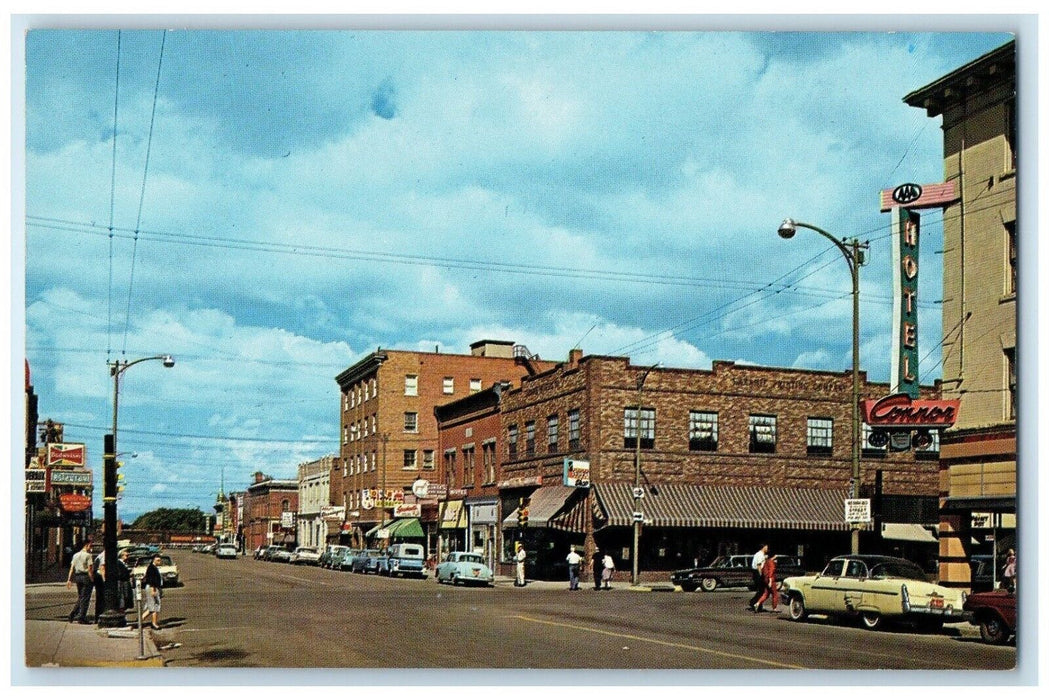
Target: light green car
x,y
875,590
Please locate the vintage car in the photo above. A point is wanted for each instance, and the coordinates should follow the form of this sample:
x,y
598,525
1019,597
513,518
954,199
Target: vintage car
x,y
330,554
168,569
226,551
343,560
305,555
464,568
731,571
403,560
874,589
995,613
366,561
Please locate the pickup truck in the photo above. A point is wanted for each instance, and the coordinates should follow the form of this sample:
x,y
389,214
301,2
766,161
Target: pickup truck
x,y
403,560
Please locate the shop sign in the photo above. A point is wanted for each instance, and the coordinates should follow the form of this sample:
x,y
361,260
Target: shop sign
x,y
68,477
35,480
857,510
421,488
377,498
521,481
74,502
901,411
913,196
67,454
577,473
982,521
484,514
327,512
904,371
287,519
407,510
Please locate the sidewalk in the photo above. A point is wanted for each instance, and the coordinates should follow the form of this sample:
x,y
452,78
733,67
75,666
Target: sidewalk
x,y
624,585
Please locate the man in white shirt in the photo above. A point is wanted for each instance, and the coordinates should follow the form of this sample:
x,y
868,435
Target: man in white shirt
x,y
519,559
757,563
574,560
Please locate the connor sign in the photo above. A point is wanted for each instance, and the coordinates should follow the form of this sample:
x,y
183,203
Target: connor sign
x,y
901,411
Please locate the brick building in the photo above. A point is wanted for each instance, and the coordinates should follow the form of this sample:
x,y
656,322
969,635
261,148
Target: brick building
x,y
978,469
729,458
269,510
388,429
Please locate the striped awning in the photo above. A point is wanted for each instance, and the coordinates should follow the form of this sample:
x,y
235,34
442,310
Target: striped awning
x,y
686,505
546,506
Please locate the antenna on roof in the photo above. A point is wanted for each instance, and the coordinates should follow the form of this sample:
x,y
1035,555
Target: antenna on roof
x,y
580,341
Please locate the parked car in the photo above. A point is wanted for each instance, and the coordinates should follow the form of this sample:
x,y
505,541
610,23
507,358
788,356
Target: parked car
x,y
995,613
168,569
279,554
874,589
464,568
366,561
329,555
403,560
732,571
226,551
260,551
343,561
305,555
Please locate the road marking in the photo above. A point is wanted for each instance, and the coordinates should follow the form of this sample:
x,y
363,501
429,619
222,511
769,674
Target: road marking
x,y
305,580
677,645
210,629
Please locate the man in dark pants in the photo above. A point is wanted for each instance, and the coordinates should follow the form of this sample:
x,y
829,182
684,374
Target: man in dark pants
x,y
757,564
81,571
597,566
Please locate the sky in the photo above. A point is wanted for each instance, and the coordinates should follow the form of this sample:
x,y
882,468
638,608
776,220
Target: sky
x,y
277,204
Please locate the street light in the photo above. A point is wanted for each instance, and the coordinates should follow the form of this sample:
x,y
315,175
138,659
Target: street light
x,y
853,251
637,474
111,615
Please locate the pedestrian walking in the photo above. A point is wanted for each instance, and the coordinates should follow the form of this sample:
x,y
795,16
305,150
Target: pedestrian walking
x,y
768,575
99,583
607,572
152,590
597,564
574,561
125,596
81,572
519,559
757,563
1009,572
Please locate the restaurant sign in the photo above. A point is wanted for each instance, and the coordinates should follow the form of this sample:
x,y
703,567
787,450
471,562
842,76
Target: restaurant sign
x,y
69,477
407,510
903,412
74,502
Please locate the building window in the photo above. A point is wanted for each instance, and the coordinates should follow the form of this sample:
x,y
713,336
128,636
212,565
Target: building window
x,y
573,429
551,434
475,386
469,466
345,402
375,387
353,396
530,439
1010,378
345,434
1010,134
449,385
511,441
1010,251
411,385
867,449
428,460
488,456
702,431
375,460
449,468
411,422
648,428
820,436
763,434
409,460
345,468
375,424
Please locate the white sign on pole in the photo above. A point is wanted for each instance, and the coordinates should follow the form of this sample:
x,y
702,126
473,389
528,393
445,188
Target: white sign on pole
x,y
857,510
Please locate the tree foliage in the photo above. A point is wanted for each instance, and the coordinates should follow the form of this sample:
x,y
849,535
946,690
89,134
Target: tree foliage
x,y
172,520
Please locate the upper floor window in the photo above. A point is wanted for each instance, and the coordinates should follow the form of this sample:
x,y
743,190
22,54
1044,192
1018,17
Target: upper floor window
x,y
375,387
345,434
820,436
1010,261
647,430
411,422
353,396
469,466
530,438
573,429
551,433
488,457
511,441
411,385
346,402
1010,379
763,434
449,385
409,459
702,431
475,386
428,460
449,468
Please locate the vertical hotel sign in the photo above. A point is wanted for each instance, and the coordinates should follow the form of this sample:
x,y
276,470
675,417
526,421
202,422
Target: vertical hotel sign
x,y
903,203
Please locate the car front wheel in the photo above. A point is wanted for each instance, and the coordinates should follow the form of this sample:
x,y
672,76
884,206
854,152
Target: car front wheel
x,y
797,608
455,579
708,584
871,620
993,631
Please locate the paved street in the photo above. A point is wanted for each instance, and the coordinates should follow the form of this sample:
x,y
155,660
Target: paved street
x,y
246,613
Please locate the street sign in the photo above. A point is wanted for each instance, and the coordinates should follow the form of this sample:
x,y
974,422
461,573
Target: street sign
x,y
857,510
639,516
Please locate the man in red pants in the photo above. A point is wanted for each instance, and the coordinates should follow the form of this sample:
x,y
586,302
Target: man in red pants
x,y
768,576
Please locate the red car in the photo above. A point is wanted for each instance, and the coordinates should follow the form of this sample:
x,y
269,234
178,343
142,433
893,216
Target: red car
x,y
995,613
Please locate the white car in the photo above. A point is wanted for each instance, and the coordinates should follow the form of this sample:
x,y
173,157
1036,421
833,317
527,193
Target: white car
x,y
226,551
305,555
168,569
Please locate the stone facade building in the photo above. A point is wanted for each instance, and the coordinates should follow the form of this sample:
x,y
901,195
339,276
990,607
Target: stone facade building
x,y
314,501
977,103
269,509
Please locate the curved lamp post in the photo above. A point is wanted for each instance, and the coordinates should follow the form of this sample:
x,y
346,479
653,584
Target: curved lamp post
x,y
111,615
853,251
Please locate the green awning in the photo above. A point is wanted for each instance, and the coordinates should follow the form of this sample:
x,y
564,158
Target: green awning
x,y
404,528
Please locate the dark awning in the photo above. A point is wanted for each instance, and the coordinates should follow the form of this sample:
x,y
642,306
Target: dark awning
x,y
687,505
548,506
965,504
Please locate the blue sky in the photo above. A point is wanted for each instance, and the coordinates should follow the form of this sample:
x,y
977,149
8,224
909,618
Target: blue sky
x,y
310,196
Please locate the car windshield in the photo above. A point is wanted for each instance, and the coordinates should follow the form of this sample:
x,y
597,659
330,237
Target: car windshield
x,y
898,569
472,558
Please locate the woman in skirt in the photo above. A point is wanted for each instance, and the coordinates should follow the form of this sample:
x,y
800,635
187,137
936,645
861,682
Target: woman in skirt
x,y
152,585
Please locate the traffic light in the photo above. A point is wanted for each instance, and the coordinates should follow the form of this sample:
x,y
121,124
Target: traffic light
x,y
522,513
